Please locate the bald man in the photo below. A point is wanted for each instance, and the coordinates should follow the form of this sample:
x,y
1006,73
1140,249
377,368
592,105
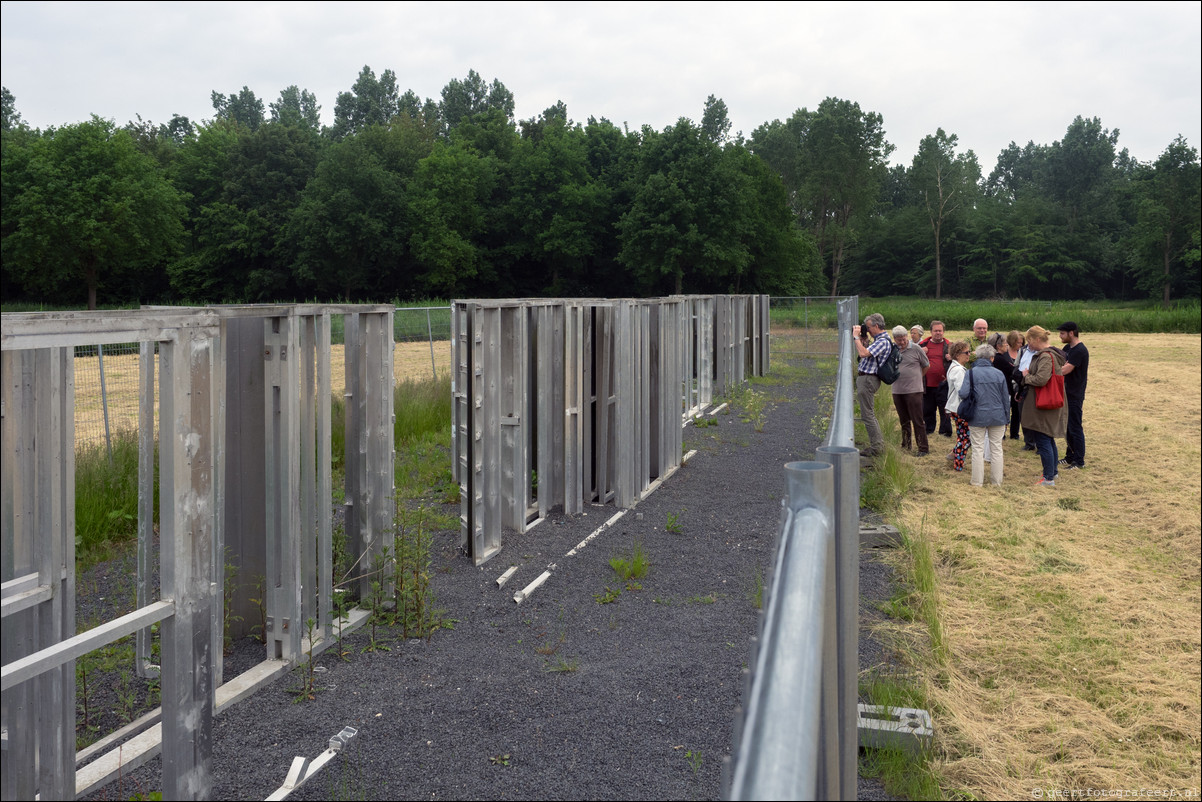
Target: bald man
x,y
980,336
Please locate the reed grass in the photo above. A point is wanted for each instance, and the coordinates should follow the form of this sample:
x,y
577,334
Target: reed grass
x,y
106,498
1182,317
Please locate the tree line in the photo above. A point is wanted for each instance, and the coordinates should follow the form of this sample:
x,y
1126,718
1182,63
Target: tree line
x,y
406,198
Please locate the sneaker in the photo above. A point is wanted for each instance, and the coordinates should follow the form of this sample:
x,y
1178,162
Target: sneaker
x,y
1028,447
951,457
1063,461
1045,482
1069,466
923,454
868,452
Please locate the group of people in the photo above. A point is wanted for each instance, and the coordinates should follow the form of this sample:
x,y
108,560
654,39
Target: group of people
x,y
1001,373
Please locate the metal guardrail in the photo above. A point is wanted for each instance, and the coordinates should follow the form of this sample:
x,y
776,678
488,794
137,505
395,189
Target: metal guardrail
x,y
799,738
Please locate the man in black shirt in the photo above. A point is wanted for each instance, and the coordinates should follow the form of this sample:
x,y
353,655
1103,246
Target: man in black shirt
x,y
1076,376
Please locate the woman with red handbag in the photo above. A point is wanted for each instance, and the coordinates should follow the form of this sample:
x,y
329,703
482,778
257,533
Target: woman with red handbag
x,y
1044,413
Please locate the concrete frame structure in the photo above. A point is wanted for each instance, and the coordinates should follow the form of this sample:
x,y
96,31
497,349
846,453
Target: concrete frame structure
x,y
559,403
244,396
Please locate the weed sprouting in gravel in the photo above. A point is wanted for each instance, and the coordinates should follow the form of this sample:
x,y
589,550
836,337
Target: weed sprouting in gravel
x,y
695,760
610,595
562,666
308,689
635,565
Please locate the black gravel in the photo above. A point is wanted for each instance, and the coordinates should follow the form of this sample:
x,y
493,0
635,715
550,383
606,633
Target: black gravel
x,y
561,697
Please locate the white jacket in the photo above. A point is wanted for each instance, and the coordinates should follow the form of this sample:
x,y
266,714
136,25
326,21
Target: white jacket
x,y
955,377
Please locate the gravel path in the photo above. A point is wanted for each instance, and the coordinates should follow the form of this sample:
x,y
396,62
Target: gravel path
x,y
563,696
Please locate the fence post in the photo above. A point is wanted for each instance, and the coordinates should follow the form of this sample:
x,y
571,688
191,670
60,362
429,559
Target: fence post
x,y
104,403
430,339
846,462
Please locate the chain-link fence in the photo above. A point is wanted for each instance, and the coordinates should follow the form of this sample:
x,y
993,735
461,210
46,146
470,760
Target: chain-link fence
x,y
805,325
423,340
106,392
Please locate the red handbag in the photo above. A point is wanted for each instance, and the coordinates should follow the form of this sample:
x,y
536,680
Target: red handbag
x,y
1051,395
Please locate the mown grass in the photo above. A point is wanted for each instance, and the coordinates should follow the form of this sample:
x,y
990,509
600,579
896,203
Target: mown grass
x,y
1053,635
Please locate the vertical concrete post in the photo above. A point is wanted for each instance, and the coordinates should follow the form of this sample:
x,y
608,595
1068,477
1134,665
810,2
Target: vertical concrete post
x,y
355,519
325,549
307,523
281,387
146,396
186,567
573,346
18,778
463,458
379,426
54,448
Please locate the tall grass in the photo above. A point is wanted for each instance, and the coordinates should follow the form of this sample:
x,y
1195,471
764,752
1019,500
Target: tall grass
x,y
1182,317
1092,316
106,497
423,408
421,433
413,321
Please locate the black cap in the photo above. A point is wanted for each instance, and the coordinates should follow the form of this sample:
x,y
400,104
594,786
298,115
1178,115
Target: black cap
x,y
1069,325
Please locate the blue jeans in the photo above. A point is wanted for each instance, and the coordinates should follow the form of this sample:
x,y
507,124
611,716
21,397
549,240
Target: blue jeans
x,y
1049,454
1074,437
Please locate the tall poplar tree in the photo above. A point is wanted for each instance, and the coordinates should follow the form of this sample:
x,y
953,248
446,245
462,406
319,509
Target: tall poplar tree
x,y
946,183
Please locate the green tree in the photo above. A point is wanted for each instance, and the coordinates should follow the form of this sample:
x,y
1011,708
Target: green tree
x,y
1164,243
87,210
371,101
665,231
297,107
161,142
351,227
784,259
832,162
10,117
553,216
464,100
449,200
199,171
1019,172
243,108
243,187
715,121
946,183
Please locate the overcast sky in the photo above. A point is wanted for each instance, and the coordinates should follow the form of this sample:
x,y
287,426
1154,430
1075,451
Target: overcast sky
x,y
991,73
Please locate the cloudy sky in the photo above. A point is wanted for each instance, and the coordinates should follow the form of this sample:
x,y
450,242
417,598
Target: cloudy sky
x,y
991,73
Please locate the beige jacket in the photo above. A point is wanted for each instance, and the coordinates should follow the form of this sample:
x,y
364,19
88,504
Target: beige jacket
x,y
1051,422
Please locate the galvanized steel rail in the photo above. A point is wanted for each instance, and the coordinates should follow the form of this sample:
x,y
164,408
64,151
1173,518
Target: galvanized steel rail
x,y
798,736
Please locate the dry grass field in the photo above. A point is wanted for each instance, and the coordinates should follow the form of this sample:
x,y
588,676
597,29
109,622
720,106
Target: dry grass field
x,y
1070,617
